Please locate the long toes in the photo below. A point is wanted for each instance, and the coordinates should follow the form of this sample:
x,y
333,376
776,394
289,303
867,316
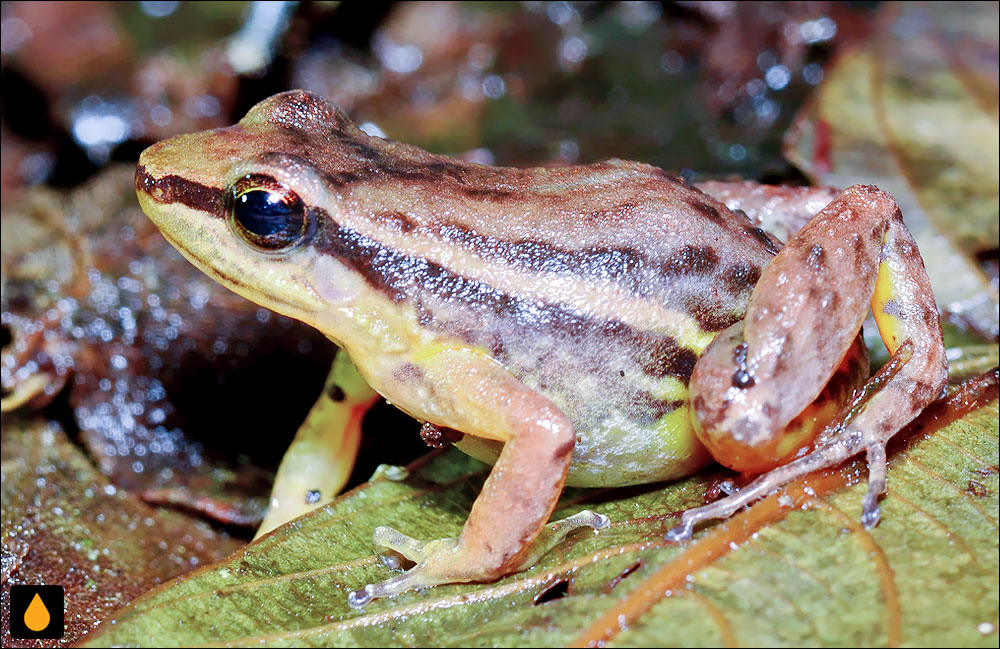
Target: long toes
x,y
446,561
387,588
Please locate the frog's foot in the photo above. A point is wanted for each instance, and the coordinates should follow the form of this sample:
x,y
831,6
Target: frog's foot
x,y
862,429
765,484
448,561
826,456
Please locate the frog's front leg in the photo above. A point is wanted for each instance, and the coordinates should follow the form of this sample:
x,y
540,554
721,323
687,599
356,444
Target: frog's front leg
x,y
319,460
802,318
504,531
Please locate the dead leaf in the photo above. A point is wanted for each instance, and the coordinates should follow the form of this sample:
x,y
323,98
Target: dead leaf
x,y
914,110
64,523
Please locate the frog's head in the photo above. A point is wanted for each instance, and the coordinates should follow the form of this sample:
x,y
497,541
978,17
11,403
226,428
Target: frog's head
x,y
248,204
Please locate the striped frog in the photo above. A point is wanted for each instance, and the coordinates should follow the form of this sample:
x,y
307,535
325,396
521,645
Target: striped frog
x,y
598,325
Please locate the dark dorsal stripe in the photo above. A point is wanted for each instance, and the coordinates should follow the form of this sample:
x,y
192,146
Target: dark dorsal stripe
x,y
402,277
630,269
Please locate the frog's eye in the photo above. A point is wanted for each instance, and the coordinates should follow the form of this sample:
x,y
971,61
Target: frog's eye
x,y
266,214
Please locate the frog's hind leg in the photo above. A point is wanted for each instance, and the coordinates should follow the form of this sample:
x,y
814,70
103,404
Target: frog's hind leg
x,y
779,210
802,317
319,460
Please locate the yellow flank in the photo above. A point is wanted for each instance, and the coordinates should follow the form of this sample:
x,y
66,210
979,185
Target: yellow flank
x,y
669,388
674,430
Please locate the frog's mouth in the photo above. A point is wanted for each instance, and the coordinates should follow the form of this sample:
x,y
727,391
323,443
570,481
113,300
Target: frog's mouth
x,y
212,260
231,281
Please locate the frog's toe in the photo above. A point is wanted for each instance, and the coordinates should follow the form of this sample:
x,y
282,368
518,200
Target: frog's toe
x,y
680,533
436,562
391,539
870,510
387,588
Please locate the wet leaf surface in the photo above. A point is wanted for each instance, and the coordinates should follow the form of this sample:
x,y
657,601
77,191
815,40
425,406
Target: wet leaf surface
x,y
64,523
773,575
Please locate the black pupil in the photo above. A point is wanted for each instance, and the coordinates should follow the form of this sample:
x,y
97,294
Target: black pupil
x,y
272,219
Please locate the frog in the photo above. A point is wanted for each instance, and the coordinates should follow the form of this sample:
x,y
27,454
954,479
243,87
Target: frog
x,y
592,325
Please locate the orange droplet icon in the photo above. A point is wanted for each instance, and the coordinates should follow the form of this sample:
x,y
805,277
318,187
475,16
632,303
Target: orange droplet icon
x,y
36,616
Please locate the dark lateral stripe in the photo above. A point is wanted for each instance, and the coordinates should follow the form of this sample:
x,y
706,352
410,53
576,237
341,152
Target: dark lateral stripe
x,y
387,165
626,266
175,189
405,278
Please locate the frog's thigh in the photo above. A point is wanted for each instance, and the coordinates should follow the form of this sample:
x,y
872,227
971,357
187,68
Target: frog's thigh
x,y
319,460
781,211
801,320
479,397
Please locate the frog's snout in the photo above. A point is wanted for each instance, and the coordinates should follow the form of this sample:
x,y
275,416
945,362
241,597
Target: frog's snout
x,y
147,185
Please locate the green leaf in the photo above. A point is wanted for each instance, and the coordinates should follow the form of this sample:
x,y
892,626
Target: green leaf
x,y
804,575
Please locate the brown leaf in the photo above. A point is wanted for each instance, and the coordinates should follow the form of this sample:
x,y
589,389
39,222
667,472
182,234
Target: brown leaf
x,y
65,524
914,110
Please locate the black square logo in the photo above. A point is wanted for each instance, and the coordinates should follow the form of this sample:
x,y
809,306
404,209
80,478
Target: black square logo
x,y
37,612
